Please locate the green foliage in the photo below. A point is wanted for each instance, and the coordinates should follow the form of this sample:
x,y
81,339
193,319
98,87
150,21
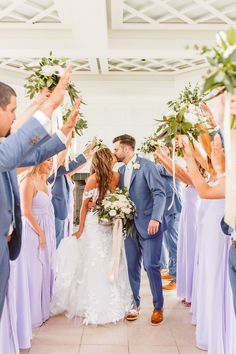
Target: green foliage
x,y
150,144
187,96
222,60
46,73
97,142
81,123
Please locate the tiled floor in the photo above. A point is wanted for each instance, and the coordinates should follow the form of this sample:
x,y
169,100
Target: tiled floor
x,y
174,336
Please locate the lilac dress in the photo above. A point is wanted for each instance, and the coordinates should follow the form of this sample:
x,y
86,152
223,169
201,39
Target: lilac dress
x,y
8,323
203,205
68,226
37,279
187,243
216,322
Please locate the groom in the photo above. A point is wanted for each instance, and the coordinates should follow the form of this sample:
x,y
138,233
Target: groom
x,y
141,177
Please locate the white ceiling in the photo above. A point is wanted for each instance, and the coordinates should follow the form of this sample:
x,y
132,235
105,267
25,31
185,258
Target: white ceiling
x,y
112,38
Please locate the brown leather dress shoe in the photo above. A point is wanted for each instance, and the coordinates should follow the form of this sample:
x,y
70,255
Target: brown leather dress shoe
x,y
133,314
167,276
170,286
157,317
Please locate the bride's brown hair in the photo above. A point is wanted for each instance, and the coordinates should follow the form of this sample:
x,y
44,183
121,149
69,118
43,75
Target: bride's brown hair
x,y
102,168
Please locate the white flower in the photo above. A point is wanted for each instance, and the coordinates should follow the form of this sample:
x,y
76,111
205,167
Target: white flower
x,y
112,212
229,51
191,118
136,166
221,36
33,64
58,70
127,210
47,70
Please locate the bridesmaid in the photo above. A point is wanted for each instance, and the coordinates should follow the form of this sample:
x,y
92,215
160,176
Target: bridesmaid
x,y
216,323
8,330
38,249
187,229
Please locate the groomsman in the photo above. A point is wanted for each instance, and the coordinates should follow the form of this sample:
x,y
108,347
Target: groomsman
x,y
60,191
21,149
171,217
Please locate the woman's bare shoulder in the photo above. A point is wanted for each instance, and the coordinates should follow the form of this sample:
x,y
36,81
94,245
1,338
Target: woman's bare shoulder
x,y
91,183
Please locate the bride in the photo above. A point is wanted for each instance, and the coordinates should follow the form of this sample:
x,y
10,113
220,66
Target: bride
x,y
82,287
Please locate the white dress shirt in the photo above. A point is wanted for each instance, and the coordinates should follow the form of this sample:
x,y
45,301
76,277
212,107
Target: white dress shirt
x,y
128,171
46,123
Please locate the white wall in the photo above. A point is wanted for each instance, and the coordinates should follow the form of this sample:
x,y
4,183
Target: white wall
x,y
118,106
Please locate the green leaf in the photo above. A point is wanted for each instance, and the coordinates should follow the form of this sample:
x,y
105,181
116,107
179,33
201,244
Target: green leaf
x,y
49,82
231,36
210,82
232,56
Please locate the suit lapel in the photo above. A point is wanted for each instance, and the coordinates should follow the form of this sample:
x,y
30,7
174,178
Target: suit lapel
x,y
135,171
122,174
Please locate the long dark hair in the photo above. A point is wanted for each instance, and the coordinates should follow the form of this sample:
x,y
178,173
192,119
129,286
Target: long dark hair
x,y
102,168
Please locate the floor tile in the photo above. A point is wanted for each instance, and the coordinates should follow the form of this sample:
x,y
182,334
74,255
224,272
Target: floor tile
x,y
150,335
190,350
113,334
55,349
104,349
154,349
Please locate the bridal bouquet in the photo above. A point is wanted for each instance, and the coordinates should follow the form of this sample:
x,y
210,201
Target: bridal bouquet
x,y
117,205
46,72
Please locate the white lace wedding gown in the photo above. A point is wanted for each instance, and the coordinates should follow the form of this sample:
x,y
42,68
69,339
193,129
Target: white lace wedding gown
x,y
82,287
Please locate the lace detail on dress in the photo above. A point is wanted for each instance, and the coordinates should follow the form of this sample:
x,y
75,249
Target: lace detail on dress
x,y
93,193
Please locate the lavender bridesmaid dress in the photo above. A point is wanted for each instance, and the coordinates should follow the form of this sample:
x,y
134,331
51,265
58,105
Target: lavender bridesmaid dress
x,y
68,226
216,323
187,243
37,263
8,324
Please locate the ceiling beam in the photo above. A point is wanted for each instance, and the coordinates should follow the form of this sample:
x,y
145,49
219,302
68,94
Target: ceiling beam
x,y
88,21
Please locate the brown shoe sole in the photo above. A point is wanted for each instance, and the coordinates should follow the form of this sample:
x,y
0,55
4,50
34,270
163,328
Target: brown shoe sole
x,y
156,324
132,318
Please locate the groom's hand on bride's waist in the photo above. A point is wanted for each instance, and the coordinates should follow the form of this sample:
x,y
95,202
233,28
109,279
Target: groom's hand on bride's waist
x,y
153,227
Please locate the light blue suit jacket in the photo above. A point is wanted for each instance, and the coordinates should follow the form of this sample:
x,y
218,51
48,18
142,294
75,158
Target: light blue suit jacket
x,y
169,188
19,149
147,191
60,189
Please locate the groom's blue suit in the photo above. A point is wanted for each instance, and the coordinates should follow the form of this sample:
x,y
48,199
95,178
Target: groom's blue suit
x,y
19,149
147,191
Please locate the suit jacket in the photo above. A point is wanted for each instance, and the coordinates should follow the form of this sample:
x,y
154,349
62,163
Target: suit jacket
x,y
147,191
19,149
60,188
169,189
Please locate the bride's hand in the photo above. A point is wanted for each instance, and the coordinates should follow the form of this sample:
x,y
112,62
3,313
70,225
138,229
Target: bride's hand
x,y
78,233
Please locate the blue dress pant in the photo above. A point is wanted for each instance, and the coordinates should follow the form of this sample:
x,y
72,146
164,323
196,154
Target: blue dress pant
x,y
59,225
148,250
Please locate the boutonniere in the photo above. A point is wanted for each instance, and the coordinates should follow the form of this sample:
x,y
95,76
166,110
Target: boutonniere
x,y
136,165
